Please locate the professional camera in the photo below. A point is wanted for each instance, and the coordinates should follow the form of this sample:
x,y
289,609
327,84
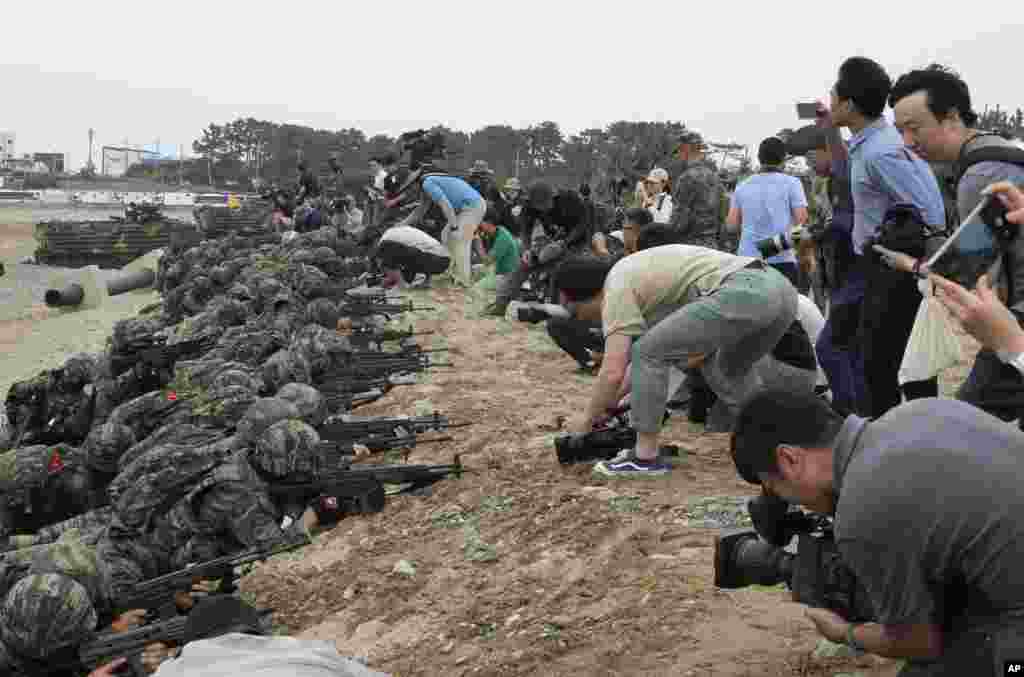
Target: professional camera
x,y
423,146
816,574
534,312
604,443
774,246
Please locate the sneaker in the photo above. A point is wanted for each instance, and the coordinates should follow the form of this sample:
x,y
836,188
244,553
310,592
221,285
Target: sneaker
x,y
632,468
666,453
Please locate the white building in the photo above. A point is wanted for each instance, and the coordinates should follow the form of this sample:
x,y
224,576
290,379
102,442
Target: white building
x,y
6,147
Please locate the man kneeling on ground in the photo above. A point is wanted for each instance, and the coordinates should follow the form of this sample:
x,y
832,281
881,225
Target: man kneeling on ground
x,y
404,252
674,305
504,249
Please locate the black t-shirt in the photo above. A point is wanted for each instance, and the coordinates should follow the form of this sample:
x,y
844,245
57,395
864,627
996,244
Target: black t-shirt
x,y
309,183
930,501
567,220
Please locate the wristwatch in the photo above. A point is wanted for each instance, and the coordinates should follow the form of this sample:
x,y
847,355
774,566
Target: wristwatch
x,y
851,640
1015,360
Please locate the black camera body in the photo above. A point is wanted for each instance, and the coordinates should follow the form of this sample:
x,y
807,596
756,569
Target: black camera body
x,y
816,574
423,147
604,443
534,312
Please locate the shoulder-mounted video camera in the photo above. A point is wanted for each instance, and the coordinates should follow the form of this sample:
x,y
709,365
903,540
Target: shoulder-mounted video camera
x,y
816,574
423,147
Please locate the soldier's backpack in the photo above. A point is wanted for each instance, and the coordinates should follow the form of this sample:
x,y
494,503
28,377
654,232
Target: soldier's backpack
x,y
155,481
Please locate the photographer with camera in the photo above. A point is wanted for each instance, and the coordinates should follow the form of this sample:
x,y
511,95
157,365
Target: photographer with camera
x,y
933,112
404,252
926,502
552,225
674,305
767,207
463,209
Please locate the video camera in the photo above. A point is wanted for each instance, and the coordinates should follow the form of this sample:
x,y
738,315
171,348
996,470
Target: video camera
x,y
816,574
604,443
774,246
423,146
534,312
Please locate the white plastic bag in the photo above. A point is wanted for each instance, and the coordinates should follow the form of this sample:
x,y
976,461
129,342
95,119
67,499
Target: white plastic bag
x,y
933,346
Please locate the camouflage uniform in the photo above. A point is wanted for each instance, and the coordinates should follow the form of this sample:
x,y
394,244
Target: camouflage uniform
x,y
43,620
696,199
229,510
86,529
68,557
43,485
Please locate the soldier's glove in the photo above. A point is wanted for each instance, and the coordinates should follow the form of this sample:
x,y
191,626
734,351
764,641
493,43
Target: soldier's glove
x,y
773,246
328,510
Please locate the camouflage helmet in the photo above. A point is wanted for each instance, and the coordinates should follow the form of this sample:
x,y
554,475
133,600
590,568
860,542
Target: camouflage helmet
x,y
287,448
237,377
230,403
268,287
45,613
323,312
106,444
79,369
286,366
231,313
240,292
307,399
262,414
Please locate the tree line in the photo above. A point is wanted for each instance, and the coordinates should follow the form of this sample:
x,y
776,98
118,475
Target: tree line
x,y
244,149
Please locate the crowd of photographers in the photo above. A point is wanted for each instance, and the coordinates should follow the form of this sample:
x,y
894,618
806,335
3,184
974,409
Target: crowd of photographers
x,y
793,343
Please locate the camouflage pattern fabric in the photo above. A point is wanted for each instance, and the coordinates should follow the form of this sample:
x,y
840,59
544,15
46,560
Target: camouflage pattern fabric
x,y
238,377
86,529
264,413
148,412
285,366
128,331
68,557
43,614
696,201
287,449
184,434
248,344
323,312
322,348
228,511
311,404
105,445
225,406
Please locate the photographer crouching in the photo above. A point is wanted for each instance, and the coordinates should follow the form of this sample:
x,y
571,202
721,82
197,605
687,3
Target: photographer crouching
x,y
674,305
926,503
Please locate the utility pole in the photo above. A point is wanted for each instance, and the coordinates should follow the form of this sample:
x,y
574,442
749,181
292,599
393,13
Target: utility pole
x,y
88,163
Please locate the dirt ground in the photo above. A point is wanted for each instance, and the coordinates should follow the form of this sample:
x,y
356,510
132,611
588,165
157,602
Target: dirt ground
x,y
525,567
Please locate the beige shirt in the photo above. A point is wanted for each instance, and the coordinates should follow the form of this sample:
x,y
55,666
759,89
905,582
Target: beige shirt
x,y
645,287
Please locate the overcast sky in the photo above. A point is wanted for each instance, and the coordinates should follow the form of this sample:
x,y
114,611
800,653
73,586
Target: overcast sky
x,y
141,71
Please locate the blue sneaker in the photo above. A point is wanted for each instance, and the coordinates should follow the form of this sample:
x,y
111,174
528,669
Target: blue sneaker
x,y
631,467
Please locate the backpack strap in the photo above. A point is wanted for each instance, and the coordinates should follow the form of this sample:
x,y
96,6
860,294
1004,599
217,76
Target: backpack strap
x,y
1008,154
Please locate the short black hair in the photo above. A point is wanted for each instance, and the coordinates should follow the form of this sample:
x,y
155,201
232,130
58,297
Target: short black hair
x,y
944,88
388,159
772,151
777,416
655,235
638,216
866,83
582,278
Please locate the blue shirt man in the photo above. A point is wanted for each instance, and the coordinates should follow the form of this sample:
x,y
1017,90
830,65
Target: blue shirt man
x,y
768,203
883,173
453,190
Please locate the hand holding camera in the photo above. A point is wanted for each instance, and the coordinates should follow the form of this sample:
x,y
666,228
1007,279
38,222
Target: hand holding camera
x,y
773,246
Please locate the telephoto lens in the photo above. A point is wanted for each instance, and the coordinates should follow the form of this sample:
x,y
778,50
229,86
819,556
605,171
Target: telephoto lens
x,y
744,559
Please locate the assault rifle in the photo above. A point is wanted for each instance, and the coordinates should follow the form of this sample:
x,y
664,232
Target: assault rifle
x,y
366,306
363,337
359,488
352,429
344,393
153,353
374,365
158,593
131,643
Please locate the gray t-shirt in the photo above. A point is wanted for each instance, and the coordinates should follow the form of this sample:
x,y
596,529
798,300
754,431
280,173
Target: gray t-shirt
x,y
929,496
968,194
